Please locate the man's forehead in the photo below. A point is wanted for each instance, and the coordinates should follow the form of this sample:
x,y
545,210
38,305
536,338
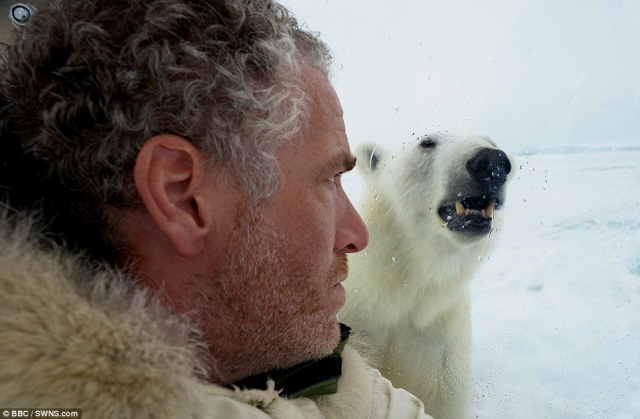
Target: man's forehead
x,y
324,137
318,86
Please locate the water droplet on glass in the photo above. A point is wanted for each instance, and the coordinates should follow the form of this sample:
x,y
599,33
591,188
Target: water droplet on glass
x,y
20,14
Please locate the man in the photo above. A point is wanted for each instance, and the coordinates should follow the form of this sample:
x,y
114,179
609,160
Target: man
x,y
176,231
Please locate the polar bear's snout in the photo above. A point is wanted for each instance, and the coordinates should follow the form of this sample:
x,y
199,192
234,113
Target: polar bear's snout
x,y
467,207
490,166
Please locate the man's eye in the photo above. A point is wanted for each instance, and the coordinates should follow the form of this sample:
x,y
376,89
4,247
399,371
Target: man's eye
x,y
335,178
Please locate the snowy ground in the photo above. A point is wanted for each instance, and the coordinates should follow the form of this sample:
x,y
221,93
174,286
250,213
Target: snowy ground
x,y
556,307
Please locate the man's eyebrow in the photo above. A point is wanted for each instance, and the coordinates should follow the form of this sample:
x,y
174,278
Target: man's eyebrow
x,y
349,161
339,163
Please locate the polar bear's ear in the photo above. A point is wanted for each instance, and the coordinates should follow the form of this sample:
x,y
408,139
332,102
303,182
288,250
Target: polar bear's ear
x,y
369,156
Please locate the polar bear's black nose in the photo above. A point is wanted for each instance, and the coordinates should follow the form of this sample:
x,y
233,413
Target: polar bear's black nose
x,y
490,166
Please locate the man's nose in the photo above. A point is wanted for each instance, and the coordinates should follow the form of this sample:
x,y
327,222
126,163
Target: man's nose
x,y
353,235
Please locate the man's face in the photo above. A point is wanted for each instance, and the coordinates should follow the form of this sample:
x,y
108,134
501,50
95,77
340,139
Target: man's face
x,y
279,282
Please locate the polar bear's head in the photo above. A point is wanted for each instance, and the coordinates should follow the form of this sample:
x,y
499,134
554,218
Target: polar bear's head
x,y
440,184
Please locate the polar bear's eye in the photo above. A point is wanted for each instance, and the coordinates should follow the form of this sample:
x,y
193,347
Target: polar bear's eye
x,y
428,143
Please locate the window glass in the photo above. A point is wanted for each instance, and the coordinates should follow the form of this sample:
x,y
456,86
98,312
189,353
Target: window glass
x,y
556,305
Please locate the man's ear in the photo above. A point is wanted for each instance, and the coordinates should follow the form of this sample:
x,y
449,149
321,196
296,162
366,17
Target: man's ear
x,y
169,175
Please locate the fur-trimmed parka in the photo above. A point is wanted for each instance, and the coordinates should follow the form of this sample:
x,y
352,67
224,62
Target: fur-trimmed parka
x,y
73,336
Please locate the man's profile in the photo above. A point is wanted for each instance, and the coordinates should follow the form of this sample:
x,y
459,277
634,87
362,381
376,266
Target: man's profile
x,y
174,231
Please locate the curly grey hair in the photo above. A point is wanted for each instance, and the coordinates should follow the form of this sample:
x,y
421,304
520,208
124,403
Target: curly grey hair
x,y
87,82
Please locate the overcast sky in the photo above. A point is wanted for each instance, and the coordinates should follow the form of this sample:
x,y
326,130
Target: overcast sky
x,y
530,74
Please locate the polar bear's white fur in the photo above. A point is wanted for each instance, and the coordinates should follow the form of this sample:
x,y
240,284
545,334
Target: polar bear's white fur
x,y
433,210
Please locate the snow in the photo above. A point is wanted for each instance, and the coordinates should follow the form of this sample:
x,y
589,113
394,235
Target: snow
x,y
556,305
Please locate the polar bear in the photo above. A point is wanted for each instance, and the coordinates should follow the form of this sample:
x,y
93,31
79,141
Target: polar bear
x,y
433,211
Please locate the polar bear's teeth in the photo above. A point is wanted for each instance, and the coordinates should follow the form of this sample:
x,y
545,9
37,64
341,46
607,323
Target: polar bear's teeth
x,y
486,212
489,210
